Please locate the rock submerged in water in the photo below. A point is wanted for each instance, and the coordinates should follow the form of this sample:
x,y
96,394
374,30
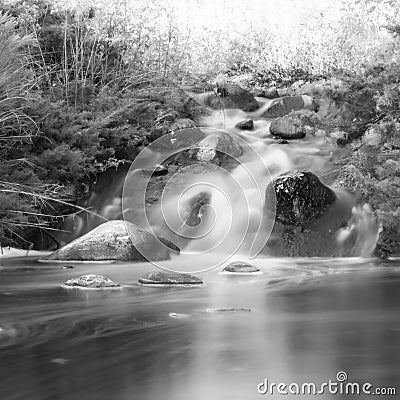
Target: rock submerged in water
x,y
240,267
245,125
91,281
161,278
300,197
112,241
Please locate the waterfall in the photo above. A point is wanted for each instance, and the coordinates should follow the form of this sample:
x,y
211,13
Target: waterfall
x,y
219,207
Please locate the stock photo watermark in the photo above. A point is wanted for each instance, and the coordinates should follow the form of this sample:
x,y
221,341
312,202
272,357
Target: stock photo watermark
x,y
340,386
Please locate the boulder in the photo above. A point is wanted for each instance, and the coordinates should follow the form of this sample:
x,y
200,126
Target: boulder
x,y
318,239
246,125
285,105
230,95
287,128
112,241
162,278
300,197
294,125
91,282
240,267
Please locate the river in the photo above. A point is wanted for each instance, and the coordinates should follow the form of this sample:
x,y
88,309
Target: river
x,y
302,320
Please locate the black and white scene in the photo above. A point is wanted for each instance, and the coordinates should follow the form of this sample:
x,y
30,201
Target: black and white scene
x,y
199,199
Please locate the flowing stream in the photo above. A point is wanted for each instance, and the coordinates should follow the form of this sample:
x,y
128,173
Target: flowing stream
x,y
234,220
301,320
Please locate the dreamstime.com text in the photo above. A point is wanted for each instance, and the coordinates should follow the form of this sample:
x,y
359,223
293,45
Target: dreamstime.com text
x,y
340,386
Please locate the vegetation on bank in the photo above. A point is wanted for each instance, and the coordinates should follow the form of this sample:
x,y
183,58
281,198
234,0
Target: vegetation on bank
x,y
84,86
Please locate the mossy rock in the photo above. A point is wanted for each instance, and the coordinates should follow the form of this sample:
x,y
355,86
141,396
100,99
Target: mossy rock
x,y
91,281
240,268
300,197
161,278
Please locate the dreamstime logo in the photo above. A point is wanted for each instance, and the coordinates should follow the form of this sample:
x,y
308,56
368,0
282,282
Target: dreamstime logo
x,y
191,188
339,386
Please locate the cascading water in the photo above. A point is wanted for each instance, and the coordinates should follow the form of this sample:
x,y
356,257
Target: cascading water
x,y
219,207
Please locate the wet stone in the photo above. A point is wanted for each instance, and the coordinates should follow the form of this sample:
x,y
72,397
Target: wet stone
x,y
246,125
91,281
240,267
160,278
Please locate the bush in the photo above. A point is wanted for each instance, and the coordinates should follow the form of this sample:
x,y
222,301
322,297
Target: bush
x,y
373,171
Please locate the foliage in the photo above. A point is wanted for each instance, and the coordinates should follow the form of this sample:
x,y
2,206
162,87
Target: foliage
x,y
373,171
51,148
84,43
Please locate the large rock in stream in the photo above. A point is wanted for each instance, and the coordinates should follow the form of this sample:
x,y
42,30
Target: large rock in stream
x,y
294,125
285,105
309,216
113,241
230,95
300,197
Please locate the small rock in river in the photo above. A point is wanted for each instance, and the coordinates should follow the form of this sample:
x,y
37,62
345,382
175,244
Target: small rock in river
x,y
241,268
91,282
159,278
246,125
